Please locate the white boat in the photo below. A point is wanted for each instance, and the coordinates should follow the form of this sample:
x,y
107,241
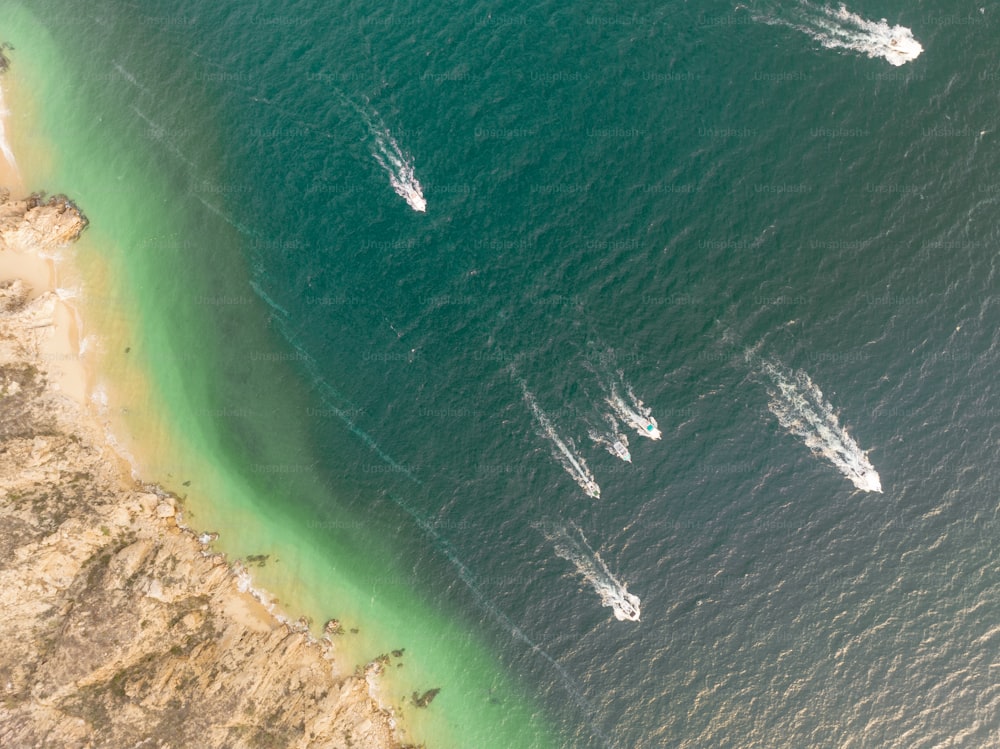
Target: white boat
x,y
634,415
613,441
644,425
414,197
626,606
647,427
621,451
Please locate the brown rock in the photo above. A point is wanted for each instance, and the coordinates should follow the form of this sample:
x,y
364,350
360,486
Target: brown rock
x,y
117,629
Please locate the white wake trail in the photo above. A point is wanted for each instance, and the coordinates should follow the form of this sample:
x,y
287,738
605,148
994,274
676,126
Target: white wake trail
x,y
614,441
570,544
569,683
630,410
802,409
391,157
400,170
633,411
839,28
566,454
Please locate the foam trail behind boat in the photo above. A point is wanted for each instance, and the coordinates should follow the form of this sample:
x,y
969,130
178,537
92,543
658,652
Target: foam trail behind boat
x,y
571,461
400,170
397,164
633,411
569,684
571,545
614,441
802,409
839,28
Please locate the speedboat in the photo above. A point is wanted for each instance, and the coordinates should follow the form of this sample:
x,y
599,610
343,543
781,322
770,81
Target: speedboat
x,y
647,427
626,607
414,198
621,451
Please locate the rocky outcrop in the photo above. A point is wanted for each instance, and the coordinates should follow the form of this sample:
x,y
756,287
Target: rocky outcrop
x,y
37,221
119,627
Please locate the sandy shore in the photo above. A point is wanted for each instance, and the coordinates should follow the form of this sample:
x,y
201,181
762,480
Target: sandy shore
x,y
122,626
61,350
38,269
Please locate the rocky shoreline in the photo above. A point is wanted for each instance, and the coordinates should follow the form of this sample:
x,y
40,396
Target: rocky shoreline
x,y
120,627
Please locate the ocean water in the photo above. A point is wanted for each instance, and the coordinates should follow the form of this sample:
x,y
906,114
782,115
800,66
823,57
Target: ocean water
x,y
684,205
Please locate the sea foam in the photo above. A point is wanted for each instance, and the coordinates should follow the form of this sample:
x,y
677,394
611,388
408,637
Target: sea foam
x,y
839,28
803,410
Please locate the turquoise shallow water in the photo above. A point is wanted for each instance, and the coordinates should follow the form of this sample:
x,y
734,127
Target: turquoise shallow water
x,y
649,191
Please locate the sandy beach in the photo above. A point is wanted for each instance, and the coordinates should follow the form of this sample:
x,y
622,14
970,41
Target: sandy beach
x,y
127,627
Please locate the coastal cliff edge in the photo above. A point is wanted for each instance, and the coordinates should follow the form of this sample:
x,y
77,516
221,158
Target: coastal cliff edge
x,y
120,626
